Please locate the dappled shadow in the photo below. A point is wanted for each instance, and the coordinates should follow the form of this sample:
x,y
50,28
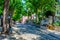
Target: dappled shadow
x,y
29,30
6,37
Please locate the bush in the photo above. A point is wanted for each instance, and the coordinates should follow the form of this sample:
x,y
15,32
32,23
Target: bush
x,y
57,23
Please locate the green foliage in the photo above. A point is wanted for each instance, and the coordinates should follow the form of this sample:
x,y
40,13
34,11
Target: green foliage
x,y
1,6
16,7
19,9
57,23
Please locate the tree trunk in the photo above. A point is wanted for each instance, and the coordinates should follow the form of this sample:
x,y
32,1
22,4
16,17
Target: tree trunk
x,y
36,16
52,20
53,17
6,7
31,16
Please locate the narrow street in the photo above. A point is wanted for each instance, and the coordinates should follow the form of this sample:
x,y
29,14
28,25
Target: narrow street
x,y
29,32
29,19
42,34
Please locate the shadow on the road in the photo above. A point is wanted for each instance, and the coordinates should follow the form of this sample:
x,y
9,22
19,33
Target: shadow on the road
x,y
32,32
29,29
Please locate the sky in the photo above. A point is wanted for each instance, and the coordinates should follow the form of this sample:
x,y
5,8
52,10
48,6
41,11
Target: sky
x,y
23,1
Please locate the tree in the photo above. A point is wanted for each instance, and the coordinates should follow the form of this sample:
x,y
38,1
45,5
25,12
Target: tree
x,y
29,8
5,12
15,9
36,5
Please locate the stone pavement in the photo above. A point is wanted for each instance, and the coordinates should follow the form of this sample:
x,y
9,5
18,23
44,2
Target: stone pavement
x,y
29,32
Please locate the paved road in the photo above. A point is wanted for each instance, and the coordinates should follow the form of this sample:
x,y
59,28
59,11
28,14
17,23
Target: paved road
x,y
29,32
42,34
